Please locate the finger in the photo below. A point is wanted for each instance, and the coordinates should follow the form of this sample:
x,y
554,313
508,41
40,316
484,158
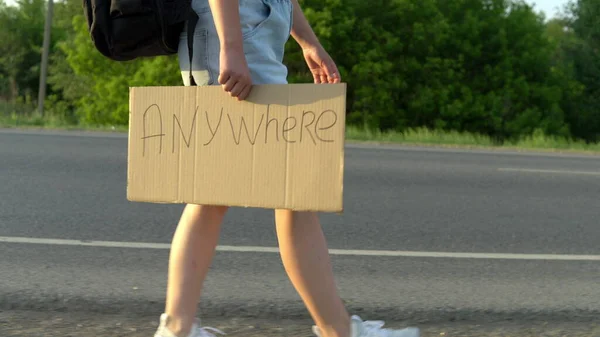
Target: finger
x,y
335,78
224,77
331,77
324,78
229,84
332,72
317,78
237,88
245,92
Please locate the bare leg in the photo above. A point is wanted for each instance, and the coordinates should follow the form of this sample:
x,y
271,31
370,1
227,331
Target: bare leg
x,y
191,255
306,260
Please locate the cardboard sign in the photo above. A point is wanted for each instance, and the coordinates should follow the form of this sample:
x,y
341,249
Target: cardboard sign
x,y
281,148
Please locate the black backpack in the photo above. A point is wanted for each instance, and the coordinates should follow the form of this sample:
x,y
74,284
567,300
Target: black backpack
x,y
123,30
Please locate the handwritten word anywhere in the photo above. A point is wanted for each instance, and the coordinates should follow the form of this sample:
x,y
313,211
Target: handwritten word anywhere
x,y
307,126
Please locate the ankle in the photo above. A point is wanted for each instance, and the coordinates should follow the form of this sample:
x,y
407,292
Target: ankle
x,y
178,325
342,328
327,331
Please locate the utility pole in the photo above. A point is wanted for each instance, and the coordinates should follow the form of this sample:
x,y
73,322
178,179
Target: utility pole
x,y
45,55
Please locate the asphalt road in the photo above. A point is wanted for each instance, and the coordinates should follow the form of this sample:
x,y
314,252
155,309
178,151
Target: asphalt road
x,y
72,186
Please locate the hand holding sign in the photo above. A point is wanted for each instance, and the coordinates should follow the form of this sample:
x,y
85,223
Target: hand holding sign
x,y
235,75
321,65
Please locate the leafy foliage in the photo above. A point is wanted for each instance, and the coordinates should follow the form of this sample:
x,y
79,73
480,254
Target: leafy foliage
x,y
491,67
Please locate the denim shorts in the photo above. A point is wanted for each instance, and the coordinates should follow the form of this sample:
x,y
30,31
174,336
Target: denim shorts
x,y
266,27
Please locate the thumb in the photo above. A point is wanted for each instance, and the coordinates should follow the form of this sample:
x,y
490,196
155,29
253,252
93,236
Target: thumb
x,y
331,70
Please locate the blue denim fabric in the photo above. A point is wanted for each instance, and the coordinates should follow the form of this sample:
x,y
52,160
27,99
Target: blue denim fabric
x,y
266,27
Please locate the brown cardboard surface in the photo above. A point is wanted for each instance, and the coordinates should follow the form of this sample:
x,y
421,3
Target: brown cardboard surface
x,y
281,148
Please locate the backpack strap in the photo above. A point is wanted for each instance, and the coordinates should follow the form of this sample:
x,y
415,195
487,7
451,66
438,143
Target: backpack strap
x,y
191,27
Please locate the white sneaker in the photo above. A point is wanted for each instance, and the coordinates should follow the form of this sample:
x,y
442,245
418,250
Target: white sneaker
x,y
196,331
360,328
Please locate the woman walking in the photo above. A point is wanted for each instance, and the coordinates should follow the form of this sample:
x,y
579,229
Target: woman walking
x,y
238,43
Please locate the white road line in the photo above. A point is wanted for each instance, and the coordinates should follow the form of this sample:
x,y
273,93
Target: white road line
x,y
592,173
354,252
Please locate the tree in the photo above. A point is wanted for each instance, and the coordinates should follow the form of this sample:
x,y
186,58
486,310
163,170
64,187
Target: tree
x,y
583,52
20,50
466,65
108,81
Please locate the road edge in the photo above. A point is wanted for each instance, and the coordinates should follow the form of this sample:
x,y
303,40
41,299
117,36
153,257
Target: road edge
x,y
350,143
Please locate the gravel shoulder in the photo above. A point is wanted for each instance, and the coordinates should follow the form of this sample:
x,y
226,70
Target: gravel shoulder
x,y
69,324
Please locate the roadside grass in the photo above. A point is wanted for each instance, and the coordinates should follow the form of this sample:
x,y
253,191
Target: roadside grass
x,y
36,121
419,136
422,136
